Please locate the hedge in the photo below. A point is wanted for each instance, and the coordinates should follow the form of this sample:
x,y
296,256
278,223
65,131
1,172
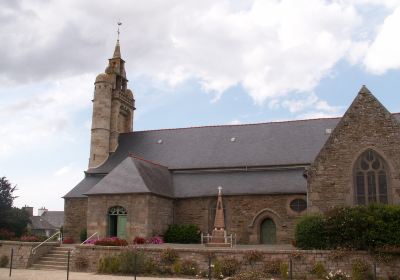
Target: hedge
x,y
359,227
182,234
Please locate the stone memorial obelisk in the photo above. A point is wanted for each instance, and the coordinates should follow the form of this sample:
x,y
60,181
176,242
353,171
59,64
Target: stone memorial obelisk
x,y
218,236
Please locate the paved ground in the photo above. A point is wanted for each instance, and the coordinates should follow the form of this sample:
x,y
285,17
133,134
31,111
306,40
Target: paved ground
x,y
28,274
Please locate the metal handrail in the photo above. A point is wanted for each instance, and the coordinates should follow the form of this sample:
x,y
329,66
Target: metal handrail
x,y
48,239
229,239
96,233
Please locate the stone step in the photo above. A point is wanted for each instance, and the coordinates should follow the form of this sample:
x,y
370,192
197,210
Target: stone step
x,y
52,262
49,267
60,250
57,258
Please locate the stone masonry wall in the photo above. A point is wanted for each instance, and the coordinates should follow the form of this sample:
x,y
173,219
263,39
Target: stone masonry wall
x,y
160,214
366,124
147,215
302,261
75,211
22,257
243,215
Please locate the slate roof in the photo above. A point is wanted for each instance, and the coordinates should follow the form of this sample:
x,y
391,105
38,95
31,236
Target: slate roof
x,y
272,144
56,218
135,175
40,223
84,186
237,183
264,144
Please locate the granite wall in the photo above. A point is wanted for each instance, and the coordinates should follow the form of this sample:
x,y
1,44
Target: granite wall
x,y
243,215
365,125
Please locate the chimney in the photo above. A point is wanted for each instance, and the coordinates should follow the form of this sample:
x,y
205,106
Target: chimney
x,y
29,210
41,211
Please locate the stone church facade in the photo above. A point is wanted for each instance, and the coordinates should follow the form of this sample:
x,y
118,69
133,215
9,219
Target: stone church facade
x,y
139,182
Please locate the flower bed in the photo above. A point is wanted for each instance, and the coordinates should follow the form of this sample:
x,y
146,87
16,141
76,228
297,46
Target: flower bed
x,y
109,241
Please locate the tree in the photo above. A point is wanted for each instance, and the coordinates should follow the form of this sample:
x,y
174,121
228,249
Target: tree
x,y
11,218
6,194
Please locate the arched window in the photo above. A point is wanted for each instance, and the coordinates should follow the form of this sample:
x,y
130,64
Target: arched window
x,y
371,184
117,221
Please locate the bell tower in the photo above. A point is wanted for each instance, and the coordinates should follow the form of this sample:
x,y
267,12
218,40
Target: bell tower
x,y
113,107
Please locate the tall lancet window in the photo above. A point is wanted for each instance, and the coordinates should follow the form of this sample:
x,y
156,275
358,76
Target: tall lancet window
x,y
371,183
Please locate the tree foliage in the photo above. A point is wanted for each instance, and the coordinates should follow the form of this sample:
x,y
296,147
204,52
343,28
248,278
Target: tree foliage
x,y
11,218
6,194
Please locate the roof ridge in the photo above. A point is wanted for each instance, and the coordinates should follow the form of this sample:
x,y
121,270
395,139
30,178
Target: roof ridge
x,y
243,124
228,125
132,155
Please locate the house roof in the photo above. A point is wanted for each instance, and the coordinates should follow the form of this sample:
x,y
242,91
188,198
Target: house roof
x,y
56,218
135,175
40,223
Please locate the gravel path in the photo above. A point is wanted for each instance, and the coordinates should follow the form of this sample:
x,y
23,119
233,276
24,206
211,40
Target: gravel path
x,y
29,274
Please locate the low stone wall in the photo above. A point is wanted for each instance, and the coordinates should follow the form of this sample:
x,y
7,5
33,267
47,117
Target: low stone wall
x,y
22,252
303,261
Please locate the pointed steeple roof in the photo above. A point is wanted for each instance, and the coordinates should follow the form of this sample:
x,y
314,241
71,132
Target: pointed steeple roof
x,y
117,50
364,90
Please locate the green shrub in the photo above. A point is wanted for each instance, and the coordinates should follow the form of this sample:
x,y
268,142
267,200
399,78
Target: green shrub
x,y
150,266
273,267
3,261
360,270
109,264
310,232
122,263
185,234
253,256
319,270
226,267
284,270
169,256
360,227
127,262
83,235
189,267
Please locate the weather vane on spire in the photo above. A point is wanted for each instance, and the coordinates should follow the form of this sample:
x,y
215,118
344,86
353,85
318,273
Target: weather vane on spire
x,y
119,23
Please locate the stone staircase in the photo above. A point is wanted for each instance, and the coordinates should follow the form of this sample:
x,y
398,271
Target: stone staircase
x,y
56,259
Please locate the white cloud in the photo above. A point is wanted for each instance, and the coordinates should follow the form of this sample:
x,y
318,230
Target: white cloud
x,y
41,119
384,52
271,48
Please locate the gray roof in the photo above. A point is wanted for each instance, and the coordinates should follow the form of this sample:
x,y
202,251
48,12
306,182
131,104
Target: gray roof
x,y
83,186
56,218
235,183
134,175
264,144
40,223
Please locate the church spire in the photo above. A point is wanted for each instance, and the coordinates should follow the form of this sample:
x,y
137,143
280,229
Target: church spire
x,y
117,50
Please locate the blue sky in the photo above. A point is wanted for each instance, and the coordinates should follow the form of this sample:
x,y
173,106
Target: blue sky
x,y
189,63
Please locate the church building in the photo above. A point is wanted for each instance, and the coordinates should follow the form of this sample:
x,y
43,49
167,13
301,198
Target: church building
x,y
139,182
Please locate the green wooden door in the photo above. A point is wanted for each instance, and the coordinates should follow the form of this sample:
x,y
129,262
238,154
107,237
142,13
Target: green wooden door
x,y
268,232
121,232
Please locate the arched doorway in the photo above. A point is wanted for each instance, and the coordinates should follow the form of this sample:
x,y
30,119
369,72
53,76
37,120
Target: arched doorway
x,y
268,232
117,221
